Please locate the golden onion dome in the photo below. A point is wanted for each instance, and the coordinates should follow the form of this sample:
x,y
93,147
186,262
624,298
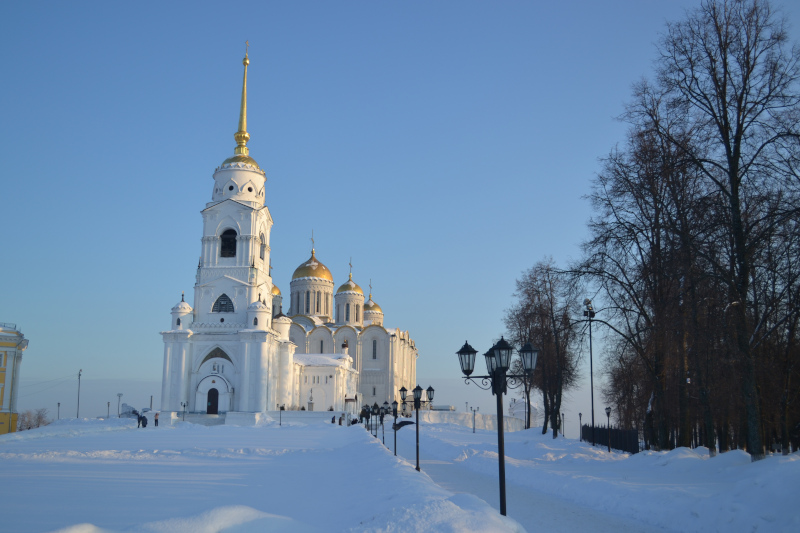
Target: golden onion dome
x,y
312,269
371,306
240,158
276,291
350,286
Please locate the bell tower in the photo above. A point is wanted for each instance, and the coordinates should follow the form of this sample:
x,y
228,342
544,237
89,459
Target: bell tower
x,y
233,271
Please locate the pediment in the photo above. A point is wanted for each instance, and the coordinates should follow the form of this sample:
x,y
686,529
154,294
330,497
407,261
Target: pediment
x,y
215,280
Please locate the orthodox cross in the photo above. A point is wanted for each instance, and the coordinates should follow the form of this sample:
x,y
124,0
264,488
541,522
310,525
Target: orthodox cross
x,y
351,265
246,47
312,240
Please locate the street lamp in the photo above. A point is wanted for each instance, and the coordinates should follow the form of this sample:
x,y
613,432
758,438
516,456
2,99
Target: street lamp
x,y
394,413
79,393
418,401
375,411
498,361
384,412
608,416
183,406
108,410
580,427
59,410
589,313
280,415
563,426
119,399
474,410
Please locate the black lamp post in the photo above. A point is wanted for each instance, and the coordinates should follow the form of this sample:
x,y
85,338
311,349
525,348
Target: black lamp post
x,y
375,411
119,399
59,410
608,416
418,401
394,413
384,412
108,409
498,361
474,410
580,427
589,313
280,415
183,406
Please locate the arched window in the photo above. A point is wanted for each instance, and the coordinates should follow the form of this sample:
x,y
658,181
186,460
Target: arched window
x,y
316,302
373,391
263,251
347,313
328,305
358,313
321,346
308,302
223,305
228,243
255,321
374,349
178,323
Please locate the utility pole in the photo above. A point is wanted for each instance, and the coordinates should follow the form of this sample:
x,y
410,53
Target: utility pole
x,y
108,414
79,393
119,399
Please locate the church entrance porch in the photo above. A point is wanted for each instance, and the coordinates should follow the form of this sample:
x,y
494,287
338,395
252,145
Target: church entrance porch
x,y
212,405
213,395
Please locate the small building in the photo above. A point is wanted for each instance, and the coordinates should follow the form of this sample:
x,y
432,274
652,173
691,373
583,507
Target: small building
x,y
12,344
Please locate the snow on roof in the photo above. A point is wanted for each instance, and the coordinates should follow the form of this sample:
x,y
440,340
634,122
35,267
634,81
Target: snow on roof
x,y
320,359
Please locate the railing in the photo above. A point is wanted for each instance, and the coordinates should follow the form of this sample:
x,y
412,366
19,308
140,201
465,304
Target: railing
x,y
8,325
626,440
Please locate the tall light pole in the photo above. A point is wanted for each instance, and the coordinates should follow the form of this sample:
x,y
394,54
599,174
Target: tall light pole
x,y
394,426
418,401
59,410
608,416
119,399
183,406
498,361
108,413
79,393
384,412
589,312
474,410
580,427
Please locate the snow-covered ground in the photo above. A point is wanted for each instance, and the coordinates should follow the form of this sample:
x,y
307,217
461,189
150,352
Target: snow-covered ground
x,y
107,475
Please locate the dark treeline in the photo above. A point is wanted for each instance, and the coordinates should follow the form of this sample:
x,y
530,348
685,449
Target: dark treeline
x,y
694,245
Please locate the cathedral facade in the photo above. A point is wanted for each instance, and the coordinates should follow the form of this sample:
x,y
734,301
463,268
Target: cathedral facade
x,y
236,351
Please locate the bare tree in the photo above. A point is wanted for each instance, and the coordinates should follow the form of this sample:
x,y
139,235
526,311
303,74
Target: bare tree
x,y
730,69
542,314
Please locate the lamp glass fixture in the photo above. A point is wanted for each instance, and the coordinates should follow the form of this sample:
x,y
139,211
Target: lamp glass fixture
x,y
417,393
403,392
429,390
529,355
502,352
466,358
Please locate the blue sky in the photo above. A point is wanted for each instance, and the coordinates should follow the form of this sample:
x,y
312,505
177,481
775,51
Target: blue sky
x,y
444,146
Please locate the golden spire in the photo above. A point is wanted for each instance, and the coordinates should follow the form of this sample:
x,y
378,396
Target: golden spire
x,y
242,136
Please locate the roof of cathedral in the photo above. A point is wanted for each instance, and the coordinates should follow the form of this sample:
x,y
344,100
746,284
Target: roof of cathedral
x,y
350,286
257,305
320,359
312,269
182,306
276,291
371,306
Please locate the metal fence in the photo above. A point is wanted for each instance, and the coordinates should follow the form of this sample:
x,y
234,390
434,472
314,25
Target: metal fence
x,y
626,440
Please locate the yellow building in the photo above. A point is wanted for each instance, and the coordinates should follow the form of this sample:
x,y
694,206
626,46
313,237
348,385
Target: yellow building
x,y
12,344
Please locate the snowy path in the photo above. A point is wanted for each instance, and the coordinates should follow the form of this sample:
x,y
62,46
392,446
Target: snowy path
x,y
535,510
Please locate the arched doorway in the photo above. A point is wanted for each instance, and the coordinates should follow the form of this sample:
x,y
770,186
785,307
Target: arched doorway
x,y
212,405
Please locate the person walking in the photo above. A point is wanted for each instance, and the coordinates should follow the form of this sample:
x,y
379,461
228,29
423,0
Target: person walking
x,y
156,419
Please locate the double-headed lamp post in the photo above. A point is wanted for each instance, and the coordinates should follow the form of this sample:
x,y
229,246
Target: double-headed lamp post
x,y
417,402
498,361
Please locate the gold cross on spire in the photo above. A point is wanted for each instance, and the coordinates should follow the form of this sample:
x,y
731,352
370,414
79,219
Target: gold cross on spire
x,y
370,288
246,47
351,265
312,241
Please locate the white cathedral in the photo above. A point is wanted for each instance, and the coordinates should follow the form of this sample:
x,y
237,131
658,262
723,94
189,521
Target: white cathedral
x,y
236,351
